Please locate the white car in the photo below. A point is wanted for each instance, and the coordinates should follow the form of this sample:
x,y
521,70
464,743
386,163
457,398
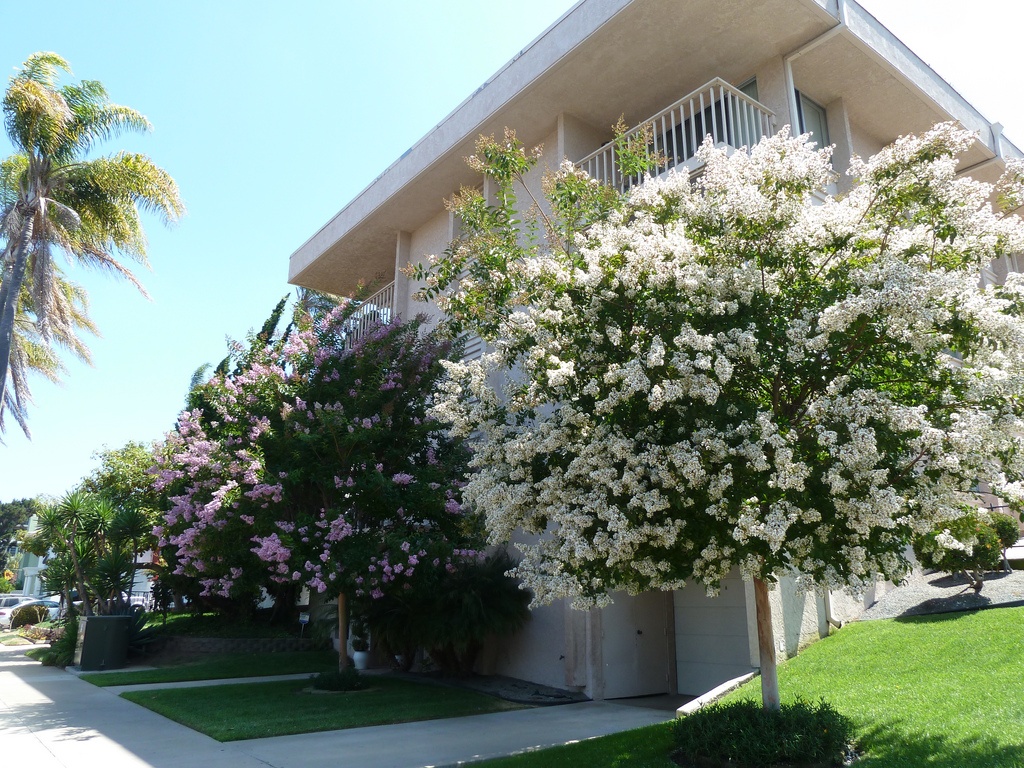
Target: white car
x,y
52,607
7,604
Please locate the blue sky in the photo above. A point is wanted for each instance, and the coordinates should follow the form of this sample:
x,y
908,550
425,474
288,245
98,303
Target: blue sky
x,y
271,116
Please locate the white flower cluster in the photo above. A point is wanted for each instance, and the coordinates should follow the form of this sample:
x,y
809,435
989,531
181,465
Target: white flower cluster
x,y
727,375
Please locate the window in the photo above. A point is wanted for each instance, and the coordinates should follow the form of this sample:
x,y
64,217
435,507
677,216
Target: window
x,y
812,120
750,88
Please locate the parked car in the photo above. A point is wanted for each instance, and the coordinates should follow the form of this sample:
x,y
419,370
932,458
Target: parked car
x,y
7,604
52,607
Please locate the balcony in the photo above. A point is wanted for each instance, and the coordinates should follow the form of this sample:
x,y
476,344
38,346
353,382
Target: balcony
x,y
716,109
371,312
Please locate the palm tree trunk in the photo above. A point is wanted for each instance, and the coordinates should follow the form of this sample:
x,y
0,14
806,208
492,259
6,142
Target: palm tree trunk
x,y
10,291
766,647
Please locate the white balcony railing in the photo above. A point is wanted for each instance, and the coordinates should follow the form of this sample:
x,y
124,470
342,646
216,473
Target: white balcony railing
x,y
717,109
373,311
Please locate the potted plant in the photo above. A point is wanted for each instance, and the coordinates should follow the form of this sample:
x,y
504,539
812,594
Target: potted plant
x,y
360,645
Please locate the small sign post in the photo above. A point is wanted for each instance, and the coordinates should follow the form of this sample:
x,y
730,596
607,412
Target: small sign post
x,y
303,621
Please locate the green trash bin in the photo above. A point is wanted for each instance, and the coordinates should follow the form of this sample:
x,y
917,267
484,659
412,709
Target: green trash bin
x,y
102,642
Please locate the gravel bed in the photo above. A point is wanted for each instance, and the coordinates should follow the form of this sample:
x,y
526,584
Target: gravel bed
x,y
934,592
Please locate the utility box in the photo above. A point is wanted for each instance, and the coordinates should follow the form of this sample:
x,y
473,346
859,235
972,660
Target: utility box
x,y
102,642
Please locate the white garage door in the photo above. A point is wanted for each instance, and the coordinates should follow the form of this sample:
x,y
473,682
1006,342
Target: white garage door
x,y
635,646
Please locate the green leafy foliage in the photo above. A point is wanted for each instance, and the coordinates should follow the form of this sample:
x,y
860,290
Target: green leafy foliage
x,y
451,615
24,615
62,648
310,460
634,150
13,516
347,679
1007,529
123,478
743,735
969,545
94,548
143,636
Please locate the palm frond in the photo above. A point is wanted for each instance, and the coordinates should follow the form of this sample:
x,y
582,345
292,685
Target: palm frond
x,y
45,68
35,117
31,353
95,118
199,376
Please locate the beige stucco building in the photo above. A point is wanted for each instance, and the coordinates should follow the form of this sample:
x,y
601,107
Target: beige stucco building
x,y
735,70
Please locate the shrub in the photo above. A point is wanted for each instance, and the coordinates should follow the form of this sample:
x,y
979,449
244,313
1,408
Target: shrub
x,y
347,679
62,645
968,544
476,601
744,735
452,618
219,625
42,633
1007,529
29,614
142,635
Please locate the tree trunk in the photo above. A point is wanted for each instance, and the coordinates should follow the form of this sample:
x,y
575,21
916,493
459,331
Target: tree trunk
x,y
342,633
79,574
14,279
766,647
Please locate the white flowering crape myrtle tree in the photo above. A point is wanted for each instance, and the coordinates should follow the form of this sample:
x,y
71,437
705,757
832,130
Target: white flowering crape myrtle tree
x,y
738,371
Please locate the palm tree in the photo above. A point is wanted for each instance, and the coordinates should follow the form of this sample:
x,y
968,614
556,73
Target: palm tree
x,y
54,199
131,534
59,529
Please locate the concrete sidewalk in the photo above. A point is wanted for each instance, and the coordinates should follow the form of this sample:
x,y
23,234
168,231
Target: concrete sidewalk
x,y
51,719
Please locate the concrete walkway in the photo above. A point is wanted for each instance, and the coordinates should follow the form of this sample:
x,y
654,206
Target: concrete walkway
x,y
1016,552
51,719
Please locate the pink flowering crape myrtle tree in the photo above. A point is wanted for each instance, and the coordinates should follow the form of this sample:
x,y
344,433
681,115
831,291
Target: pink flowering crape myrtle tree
x,y
312,464
738,371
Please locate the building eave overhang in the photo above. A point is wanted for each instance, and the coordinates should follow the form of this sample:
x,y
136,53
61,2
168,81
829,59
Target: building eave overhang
x,y
868,33
358,243
434,166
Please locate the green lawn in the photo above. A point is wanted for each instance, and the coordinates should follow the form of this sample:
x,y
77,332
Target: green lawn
x,y
255,710
943,691
642,748
224,667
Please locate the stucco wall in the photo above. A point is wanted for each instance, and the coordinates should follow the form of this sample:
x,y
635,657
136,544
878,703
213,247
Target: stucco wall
x,y
771,90
429,240
864,144
800,618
